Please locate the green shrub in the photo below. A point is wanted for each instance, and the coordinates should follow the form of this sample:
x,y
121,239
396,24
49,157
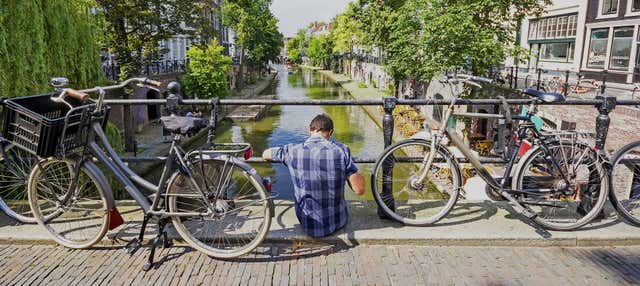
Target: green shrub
x,y
362,85
391,89
206,75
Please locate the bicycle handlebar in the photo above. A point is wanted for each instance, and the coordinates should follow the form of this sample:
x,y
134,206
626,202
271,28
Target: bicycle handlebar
x,y
79,95
143,81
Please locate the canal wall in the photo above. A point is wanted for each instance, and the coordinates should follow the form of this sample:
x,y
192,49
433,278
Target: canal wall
x,y
148,137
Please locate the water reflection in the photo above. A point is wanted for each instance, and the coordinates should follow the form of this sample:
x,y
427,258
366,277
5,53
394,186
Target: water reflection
x,y
288,124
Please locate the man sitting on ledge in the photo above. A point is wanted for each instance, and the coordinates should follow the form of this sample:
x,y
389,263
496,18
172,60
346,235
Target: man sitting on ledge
x,y
319,168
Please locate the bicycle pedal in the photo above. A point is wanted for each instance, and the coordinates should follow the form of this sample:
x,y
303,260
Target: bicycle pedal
x,y
528,213
132,246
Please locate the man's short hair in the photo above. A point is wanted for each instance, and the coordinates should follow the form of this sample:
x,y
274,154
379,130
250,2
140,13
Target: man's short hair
x,y
321,122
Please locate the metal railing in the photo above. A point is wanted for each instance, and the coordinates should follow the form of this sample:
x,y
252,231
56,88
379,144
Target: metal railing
x,y
604,105
112,71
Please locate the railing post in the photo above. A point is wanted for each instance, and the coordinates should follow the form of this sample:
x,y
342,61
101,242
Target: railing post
x,y
603,87
607,104
389,104
515,82
539,78
511,79
566,83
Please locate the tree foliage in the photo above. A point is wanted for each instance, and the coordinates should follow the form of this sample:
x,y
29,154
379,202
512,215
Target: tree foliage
x,y
320,50
44,39
420,38
256,31
206,75
135,27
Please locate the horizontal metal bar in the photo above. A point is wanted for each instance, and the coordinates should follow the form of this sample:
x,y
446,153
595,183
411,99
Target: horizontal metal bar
x,y
259,160
460,101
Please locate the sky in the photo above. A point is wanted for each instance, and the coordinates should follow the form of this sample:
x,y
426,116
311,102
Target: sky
x,y
297,14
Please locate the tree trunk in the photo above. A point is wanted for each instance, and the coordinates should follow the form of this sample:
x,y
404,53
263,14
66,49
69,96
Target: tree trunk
x,y
125,61
240,80
396,87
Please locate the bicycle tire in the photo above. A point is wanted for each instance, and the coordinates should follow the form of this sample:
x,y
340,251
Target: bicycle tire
x,y
70,217
14,174
436,184
618,195
220,242
586,166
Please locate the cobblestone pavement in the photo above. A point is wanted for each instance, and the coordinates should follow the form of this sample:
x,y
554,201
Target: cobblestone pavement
x,y
324,265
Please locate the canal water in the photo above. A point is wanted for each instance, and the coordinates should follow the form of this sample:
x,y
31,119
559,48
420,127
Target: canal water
x,y
289,124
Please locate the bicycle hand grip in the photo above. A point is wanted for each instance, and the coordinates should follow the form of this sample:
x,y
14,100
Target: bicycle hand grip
x,y
77,94
152,82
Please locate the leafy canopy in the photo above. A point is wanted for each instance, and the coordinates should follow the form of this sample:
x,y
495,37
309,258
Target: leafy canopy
x,y
206,74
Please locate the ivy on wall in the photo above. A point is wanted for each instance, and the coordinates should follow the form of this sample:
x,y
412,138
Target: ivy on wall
x,y
40,39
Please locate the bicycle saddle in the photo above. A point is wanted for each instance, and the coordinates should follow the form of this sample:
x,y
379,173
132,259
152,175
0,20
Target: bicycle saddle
x,y
183,125
544,96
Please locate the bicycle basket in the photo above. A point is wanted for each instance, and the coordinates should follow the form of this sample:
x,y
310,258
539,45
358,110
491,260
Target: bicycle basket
x,y
35,123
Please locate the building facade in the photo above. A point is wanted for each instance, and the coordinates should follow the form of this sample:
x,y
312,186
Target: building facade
x,y
612,39
587,36
555,39
176,47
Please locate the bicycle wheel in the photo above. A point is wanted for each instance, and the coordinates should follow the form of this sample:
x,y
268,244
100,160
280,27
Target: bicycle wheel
x,y
15,166
239,215
418,203
625,182
562,204
73,211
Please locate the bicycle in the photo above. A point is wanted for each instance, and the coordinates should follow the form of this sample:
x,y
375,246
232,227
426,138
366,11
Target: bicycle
x,y
558,183
625,176
216,202
15,166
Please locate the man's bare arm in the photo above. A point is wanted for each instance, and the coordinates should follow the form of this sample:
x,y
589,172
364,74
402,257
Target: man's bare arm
x,y
356,182
267,154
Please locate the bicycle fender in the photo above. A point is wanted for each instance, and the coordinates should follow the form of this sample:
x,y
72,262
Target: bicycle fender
x,y
102,180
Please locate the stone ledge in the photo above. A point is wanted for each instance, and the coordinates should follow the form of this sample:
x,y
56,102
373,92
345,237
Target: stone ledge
x,y
480,223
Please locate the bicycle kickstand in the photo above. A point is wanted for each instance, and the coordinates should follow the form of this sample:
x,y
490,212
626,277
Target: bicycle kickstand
x,y
161,235
136,243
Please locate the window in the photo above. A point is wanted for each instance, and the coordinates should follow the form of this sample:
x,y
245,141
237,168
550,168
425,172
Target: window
x,y
562,27
609,7
556,52
559,27
542,29
533,30
635,5
551,28
598,48
572,26
621,48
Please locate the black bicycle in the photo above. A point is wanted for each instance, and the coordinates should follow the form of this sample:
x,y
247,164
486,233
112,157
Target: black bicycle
x,y
215,201
559,182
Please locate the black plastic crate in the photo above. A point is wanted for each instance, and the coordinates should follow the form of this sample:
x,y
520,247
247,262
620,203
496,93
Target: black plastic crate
x,y
36,123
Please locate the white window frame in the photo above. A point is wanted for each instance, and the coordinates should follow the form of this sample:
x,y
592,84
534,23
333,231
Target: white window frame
x,y
629,11
633,41
603,16
634,48
606,53
575,26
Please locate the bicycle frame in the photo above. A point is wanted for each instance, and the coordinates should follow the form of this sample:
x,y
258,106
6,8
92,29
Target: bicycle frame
x,y
482,171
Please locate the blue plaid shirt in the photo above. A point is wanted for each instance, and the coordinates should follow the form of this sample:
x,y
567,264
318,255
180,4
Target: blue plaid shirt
x,y
319,169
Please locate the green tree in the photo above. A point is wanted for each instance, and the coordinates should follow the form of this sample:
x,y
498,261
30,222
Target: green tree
x,y
135,27
44,39
206,75
256,32
319,50
345,30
